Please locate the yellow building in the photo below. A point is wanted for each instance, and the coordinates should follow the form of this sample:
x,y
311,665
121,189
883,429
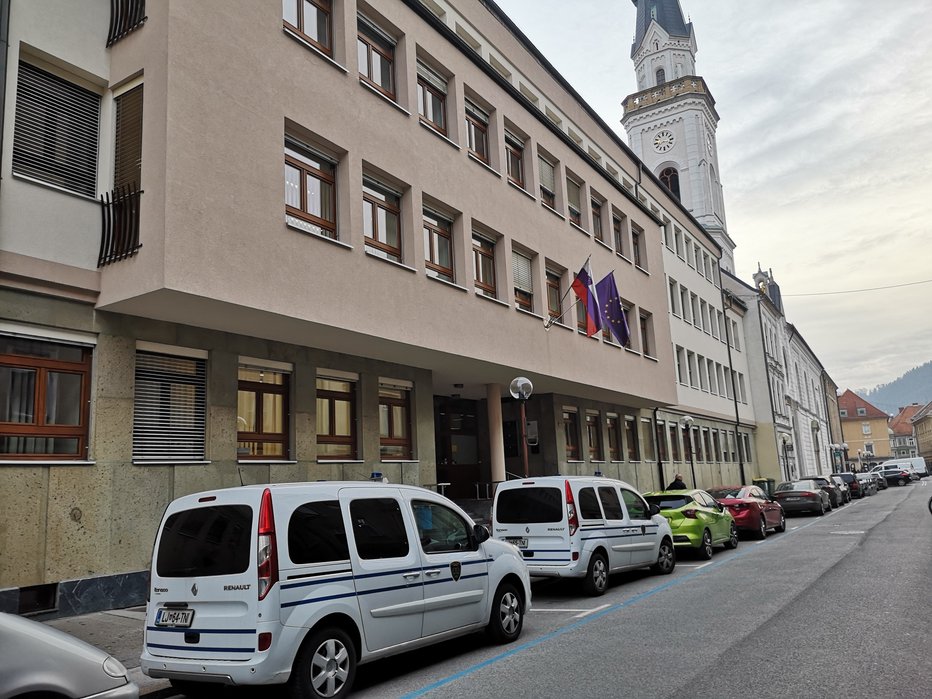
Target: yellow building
x,y
866,430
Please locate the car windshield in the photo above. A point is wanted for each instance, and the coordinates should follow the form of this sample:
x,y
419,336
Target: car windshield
x,y
669,502
732,492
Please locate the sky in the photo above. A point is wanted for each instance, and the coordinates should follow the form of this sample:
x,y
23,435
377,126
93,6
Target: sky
x,y
824,147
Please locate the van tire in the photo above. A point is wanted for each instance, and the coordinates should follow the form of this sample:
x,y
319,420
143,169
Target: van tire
x,y
507,617
325,666
666,558
596,581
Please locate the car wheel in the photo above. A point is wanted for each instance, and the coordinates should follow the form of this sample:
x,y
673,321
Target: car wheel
x,y
596,582
821,509
507,616
732,542
762,530
901,482
705,548
782,526
666,558
325,666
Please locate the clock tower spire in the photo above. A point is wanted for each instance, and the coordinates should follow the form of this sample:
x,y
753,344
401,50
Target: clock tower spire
x,y
671,120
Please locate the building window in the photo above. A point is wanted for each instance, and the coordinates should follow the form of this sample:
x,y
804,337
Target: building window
x,y
514,151
674,296
647,441
438,246
127,145
662,441
862,411
376,54
55,133
573,196
523,280
310,192
746,441
614,438
483,257
647,334
594,436
674,442
381,219
169,408
843,412
432,97
477,131
597,220
554,295
262,418
547,182
636,256
865,428
571,434
336,418
671,180
394,422
618,233
44,395
661,74
631,440
310,19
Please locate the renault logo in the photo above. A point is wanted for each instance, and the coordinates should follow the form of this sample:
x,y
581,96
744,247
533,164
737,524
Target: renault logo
x,y
194,589
527,530
456,569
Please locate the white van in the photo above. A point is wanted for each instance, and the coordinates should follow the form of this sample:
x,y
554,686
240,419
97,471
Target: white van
x,y
582,527
916,464
301,582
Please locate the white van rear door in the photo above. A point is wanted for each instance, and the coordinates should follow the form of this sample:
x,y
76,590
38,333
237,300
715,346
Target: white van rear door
x,y
533,517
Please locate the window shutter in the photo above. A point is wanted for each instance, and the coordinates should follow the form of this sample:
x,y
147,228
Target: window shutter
x,y
169,408
572,193
513,140
521,269
477,112
127,164
433,77
56,131
546,175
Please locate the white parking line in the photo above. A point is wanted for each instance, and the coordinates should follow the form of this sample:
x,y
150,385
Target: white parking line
x,y
562,611
590,611
693,565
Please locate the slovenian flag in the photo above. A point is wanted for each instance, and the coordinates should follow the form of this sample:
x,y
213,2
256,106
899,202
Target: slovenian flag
x,y
585,292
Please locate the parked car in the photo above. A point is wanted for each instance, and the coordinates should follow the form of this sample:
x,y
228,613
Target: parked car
x,y
854,485
582,527
879,480
803,496
753,510
915,464
868,483
697,520
897,476
842,485
836,499
37,660
300,582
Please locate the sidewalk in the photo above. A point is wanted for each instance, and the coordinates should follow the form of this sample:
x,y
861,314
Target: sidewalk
x,y
119,633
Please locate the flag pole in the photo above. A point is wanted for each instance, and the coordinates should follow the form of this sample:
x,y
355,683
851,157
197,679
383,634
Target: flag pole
x,y
550,321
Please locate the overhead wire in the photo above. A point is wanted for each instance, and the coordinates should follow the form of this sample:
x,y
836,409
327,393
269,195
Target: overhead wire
x,y
857,291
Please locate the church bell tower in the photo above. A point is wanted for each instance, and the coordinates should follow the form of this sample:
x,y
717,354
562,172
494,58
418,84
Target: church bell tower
x,y
671,120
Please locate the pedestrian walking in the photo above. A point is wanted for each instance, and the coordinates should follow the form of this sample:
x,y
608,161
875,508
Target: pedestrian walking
x,y
677,483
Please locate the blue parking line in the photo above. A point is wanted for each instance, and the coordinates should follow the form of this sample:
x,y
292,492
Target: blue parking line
x,y
598,615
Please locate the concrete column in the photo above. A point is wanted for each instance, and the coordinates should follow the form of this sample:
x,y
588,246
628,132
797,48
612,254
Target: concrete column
x,y
493,393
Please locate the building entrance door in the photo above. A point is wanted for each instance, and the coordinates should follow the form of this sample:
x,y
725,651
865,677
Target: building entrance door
x,y
457,440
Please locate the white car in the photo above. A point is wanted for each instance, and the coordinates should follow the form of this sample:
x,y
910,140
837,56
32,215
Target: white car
x,y
582,527
299,583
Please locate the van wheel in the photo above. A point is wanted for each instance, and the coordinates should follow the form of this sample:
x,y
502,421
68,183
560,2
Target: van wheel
x,y
507,617
666,559
325,666
596,582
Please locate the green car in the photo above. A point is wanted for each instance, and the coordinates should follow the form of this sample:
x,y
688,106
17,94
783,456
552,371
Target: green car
x,y
697,520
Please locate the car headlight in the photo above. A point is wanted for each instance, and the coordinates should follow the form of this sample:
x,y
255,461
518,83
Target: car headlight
x,y
114,667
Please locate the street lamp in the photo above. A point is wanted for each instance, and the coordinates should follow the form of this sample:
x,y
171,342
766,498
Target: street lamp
x,y
786,439
687,422
836,452
521,389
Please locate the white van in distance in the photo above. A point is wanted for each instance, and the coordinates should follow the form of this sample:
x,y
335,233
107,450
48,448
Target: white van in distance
x,y
299,583
916,464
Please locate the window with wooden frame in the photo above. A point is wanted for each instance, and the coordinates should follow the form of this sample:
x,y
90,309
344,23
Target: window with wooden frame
x,y
311,20
631,439
262,413
571,434
336,418
618,233
687,443
554,294
483,257
597,230
548,190
647,440
514,158
614,438
381,219
432,97
662,441
394,422
376,54
647,333
44,398
438,246
310,191
573,200
637,257
594,436
521,268
674,442
477,131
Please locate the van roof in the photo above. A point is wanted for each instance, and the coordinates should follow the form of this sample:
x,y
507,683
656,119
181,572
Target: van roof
x,y
558,480
306,485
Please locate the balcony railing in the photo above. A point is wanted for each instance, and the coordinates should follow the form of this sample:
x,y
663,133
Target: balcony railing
x,y
119,236
125,17
691,84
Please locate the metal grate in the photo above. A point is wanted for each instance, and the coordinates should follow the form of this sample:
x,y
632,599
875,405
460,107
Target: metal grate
x,y
119,236
125,16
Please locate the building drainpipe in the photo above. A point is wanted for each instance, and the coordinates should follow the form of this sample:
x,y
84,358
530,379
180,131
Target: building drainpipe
x,y
734,388
4,55
659,460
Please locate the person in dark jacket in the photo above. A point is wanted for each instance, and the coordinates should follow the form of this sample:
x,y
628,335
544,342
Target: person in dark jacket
x,y
677,483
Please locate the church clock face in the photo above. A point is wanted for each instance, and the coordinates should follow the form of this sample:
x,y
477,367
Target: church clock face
x,y
664,141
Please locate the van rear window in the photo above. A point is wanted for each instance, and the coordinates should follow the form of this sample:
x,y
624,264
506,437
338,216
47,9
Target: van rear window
x,y
205,541
316,533
529,505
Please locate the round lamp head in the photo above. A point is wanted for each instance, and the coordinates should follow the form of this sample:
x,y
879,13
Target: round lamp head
x,y
521,388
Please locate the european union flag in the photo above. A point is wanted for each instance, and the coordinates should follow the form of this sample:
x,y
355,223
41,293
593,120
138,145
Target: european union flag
x,y
613,314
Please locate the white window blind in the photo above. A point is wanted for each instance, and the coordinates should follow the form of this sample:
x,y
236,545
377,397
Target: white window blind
x,y
432,77
572,193
546,174
477,112
169,408
521,269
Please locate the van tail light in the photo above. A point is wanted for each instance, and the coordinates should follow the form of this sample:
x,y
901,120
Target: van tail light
x,y
571,510
690,514
265,641
267,554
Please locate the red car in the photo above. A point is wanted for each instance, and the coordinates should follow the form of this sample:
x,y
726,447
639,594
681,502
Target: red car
x,y
752,509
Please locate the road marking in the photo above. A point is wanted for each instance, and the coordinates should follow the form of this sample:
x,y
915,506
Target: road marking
x,y
851,532
692,565
793,528
590,611
562,611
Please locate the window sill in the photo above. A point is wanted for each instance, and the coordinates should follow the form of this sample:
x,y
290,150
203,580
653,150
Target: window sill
x,y
446,283
46,462
170,463
529,313
265,462
333,241
595,336
340,461
558,324
383,97
399,461
53,187
492,299
604,244
307,44
632,351
580,229
479,161
553,211
522,190
611,343
379,256
439,135
573,461
598,461
623,257
638,267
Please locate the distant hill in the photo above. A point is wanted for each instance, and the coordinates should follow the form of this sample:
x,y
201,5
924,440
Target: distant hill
x,y
915,386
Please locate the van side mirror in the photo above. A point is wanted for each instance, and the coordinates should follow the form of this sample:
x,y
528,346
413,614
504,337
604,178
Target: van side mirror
x,y
481,533
654,509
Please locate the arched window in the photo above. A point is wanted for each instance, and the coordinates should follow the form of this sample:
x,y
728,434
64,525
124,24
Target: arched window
x,y
661,77
671,178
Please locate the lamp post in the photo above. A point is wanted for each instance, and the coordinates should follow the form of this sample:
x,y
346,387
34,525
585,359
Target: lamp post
x,y
687,422
786,439
521,389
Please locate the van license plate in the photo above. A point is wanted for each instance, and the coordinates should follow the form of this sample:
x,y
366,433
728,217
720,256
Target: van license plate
x,y
520,542
177,618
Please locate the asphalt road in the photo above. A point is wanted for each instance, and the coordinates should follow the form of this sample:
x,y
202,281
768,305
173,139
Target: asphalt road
x,y
836,606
